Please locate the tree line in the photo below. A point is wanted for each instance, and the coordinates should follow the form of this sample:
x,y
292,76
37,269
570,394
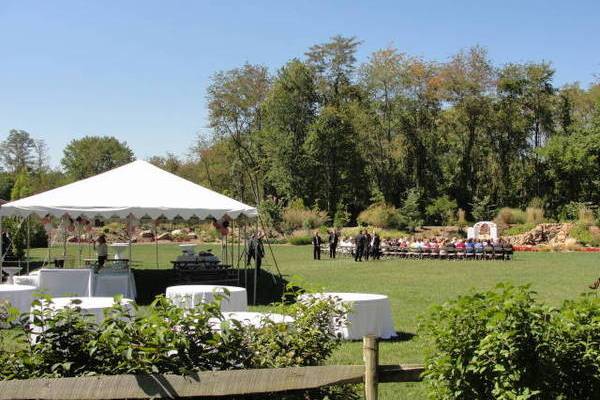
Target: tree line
x,y
397,130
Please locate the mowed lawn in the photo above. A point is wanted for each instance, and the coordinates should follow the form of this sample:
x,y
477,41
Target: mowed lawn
x,y
412,286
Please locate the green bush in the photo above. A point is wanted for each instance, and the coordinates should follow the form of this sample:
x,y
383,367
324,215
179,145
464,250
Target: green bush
x,y
518,229
441,211
582,233
300,240
170,340
502,344
510,216
297,216
380,215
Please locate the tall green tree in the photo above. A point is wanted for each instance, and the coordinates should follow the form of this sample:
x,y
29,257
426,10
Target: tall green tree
x,y
337,165
334,64
92,155
235,99
468,86
290,109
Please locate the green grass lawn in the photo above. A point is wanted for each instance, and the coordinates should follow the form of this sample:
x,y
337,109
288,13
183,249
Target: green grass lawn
x,y
412,287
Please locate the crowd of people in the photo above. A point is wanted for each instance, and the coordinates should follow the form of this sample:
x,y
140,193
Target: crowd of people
x,y
369,245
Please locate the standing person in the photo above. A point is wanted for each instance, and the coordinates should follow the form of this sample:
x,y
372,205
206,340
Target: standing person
x,y
316,242
256,250
359,243
333,242
375,248
102,250
368,243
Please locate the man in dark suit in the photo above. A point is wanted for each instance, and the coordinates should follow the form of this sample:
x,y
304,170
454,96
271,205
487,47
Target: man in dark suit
x,y
359,249
367,248
376,248
333,242
316,242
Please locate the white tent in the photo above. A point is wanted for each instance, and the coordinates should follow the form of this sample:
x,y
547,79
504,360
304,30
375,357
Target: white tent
x,y
138,188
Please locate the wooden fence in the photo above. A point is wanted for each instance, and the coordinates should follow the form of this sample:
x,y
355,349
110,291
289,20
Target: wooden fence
x,y
217,384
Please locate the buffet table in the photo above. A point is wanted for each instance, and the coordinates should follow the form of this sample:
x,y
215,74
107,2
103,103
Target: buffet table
x,y
189,296
370,314
18,296
81,282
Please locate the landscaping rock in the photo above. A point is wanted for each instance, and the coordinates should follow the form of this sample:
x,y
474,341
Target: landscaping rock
x,y
164,236
148,234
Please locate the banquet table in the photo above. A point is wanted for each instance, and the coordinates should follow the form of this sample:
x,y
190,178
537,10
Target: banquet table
x,y
370,314
31,279
189,296
93,306
60,282
19,296
109,282
255,319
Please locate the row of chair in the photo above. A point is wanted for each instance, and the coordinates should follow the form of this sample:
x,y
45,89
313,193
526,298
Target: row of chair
x,y
450,253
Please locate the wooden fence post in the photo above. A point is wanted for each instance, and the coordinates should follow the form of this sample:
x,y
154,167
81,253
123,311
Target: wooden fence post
x,y
371,359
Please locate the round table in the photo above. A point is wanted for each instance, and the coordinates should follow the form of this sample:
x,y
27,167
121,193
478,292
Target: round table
x,y
19,296
189,296
255,319
94,306
370,314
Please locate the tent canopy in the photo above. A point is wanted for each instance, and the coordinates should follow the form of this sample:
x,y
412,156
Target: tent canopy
x,y
138,188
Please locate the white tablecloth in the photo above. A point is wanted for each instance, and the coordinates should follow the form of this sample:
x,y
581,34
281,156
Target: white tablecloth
x,y
109,283
370,314
19,296
188,296
256,319
32,279
94,306
61,282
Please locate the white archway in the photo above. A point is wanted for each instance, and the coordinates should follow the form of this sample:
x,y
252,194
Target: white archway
x,y
483,230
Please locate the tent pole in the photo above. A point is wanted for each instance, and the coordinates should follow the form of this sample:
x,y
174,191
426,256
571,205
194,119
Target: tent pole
x,y
156,241
79,249
28,240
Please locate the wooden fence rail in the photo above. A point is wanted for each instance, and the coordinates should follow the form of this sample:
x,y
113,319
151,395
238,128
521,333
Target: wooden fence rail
x,y
216,384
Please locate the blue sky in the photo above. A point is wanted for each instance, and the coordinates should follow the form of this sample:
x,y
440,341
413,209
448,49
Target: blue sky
x,y
138,70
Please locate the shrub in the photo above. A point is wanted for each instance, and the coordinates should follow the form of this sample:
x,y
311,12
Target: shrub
x,y
502,344
300,240
534,215
518,229
341,217
380,215
167,339
483,208
441,211
510,216
487,345
296,218
586,216
410,212
582,233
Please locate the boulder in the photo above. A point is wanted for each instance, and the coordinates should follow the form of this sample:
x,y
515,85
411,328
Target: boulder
x,y
164,236
148,234
192,236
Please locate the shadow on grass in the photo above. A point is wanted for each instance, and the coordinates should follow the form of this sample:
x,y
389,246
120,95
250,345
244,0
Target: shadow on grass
x,y
153,282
